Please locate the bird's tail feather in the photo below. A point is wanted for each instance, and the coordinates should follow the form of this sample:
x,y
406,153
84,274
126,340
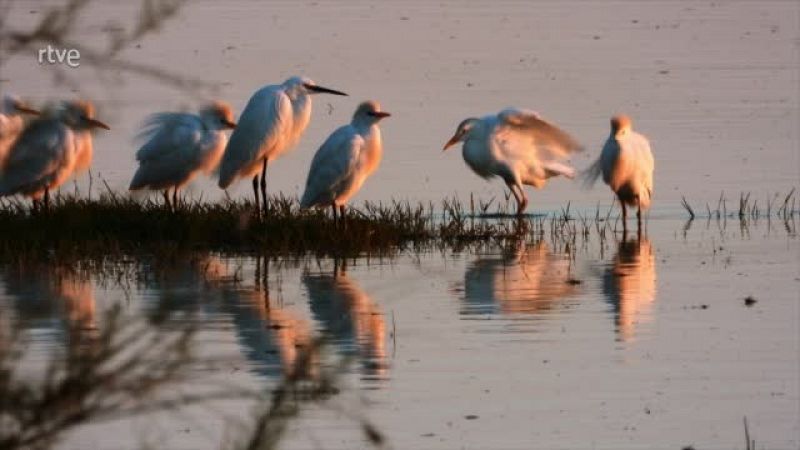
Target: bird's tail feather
x,y
590,175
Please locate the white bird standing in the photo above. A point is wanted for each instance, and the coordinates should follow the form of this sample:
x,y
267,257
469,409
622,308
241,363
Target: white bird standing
x,y
46,152
627,165
518,146
270,125
179,145
345,160
11,123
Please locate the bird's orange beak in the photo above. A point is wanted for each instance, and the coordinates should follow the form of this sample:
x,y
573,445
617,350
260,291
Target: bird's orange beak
x,y
229,124
27,110
380,114
453,141
96,123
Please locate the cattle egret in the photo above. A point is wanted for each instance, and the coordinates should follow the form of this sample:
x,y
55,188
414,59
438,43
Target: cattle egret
x,y
626,164
46,152
518,146
349,155
11,123
270,125
179,145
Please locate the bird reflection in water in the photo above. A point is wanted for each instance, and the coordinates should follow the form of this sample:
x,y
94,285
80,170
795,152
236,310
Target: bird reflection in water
x,y
54,299
527,278
272,338
350,319
629,284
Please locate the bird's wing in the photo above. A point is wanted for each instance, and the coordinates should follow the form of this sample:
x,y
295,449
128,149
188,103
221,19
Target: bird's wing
x,y
167,133
644,157
528,132
265,121
38,152
333,166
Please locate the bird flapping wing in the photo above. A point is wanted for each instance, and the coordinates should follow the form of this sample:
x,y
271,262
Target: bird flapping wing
x,y
547,140
333,167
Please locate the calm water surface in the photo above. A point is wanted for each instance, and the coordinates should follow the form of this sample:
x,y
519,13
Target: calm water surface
x,y
636,343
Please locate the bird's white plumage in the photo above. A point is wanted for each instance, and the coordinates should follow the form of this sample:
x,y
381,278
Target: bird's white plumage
x,y
270,125
518,146
48,149
177,147
626,165
42,157
345,160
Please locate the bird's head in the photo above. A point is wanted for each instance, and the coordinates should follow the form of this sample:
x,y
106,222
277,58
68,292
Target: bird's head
x,y
462,132
620,123
13,105
370,113
301,85
218,115
79,114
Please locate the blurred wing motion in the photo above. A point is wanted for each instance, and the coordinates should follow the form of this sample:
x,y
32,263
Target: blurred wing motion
x,y
525,134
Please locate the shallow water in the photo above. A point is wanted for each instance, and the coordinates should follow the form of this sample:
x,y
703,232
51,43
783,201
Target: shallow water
x,y
592,344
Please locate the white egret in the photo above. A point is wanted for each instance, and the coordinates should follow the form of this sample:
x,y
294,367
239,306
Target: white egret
x,y
46,152
179,145
518,146
11,123
345,160
270,125
627,165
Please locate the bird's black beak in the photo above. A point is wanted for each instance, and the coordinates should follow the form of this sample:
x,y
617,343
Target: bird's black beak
x,y
229,124
453,141
96,123
27,110
322,90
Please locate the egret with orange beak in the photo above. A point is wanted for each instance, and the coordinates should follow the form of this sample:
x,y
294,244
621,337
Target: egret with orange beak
x,y
46,152
179,145
346,159
518,146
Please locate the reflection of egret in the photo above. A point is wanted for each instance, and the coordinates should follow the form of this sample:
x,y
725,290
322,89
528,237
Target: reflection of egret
x,y
349,318
271,337
45,297
518,146
529,280
630,285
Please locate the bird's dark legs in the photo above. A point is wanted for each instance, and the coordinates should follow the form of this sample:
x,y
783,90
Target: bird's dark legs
x,y
335,219
639,218
624,216
47,199
175,198
255,191
520,197
264,185
166,198
342,216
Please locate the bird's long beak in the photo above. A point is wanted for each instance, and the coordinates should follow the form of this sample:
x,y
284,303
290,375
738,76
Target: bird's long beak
x,y
229,124
453,141
380,114
27,110
323,90
96,123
